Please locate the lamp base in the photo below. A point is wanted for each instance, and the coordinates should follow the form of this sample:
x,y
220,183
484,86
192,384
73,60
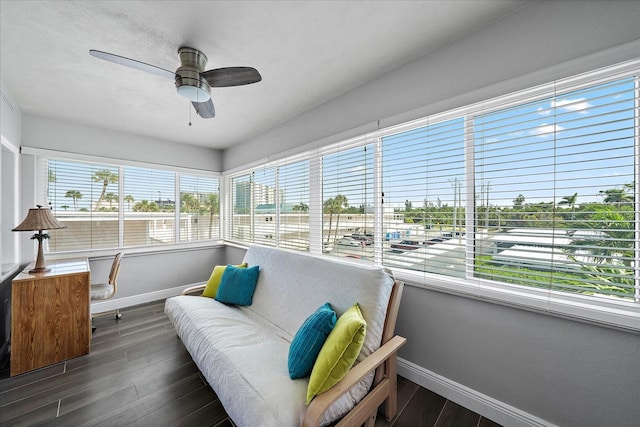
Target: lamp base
x,y
39,270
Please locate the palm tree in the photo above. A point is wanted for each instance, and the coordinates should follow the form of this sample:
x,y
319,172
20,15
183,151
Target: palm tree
x,y
329,207
75,195
301,207
190,203
65,207
106,177
146,206
341,203
571,201
617,196
129,199
111,197
212,205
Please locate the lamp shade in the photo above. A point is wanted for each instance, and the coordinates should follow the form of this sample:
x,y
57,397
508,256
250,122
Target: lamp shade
x,y
39,219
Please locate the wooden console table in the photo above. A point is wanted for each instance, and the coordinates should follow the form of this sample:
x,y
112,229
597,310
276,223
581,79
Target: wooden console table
x,y
50,315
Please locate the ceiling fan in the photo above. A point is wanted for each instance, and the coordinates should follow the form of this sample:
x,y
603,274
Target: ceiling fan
x,y
192,82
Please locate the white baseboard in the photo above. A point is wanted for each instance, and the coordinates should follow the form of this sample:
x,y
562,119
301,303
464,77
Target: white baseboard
x,y
115,303
482,404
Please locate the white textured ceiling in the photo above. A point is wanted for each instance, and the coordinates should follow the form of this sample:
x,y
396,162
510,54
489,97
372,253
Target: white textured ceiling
x,y
307,52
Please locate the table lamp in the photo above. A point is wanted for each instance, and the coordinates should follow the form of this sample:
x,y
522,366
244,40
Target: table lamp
x,y
39,219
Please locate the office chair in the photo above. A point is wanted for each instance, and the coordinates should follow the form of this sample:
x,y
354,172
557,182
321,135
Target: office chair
x,y
102,291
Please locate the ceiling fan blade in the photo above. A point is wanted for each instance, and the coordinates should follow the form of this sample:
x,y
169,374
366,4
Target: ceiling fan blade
x,y
133,64
205,109
231,76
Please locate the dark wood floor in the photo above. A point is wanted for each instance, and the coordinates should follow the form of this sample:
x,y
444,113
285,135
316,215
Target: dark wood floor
x,y
139,374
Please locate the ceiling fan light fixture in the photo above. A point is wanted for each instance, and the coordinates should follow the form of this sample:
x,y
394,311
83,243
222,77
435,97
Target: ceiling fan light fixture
x,y
191,86
194,93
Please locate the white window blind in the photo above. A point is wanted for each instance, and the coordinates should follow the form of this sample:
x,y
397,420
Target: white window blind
x,y
106,206
151,219
265,199
293,218
199,208
347,202
241,221
556,190
423,182
270,206
85,197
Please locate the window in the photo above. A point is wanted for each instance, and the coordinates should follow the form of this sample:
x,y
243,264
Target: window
x,y
293,224
555,180
241,221
77,194
347,202
106,206
423,181
265,198
199,208
270,206
151,219
531,198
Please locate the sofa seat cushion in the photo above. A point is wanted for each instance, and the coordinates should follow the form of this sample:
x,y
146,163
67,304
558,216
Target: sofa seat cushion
x,y
244,361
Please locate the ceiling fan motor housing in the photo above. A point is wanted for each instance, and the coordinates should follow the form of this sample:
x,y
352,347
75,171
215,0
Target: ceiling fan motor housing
x,y
189,83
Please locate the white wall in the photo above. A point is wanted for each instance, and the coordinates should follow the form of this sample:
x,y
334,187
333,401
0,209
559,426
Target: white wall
x,y
543,42
10,135
516,367
10,117
58,135
10,130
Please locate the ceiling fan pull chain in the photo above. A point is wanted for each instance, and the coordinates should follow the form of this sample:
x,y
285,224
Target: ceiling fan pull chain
x,y
189,115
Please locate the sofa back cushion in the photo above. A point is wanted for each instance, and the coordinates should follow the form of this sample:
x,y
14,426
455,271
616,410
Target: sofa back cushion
x,y
292,285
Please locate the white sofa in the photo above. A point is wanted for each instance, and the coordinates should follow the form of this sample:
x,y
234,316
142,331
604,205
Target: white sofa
x,y
242,351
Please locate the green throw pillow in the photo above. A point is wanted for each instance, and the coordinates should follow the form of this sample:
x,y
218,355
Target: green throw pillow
x,y
338,353
214,281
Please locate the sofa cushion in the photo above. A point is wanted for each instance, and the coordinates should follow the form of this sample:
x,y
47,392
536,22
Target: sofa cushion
x,y
338,353
238,285
243,359
308,341
213,283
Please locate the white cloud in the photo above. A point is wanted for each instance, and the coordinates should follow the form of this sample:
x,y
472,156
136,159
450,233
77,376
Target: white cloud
x,y
580,105
545,130
543,111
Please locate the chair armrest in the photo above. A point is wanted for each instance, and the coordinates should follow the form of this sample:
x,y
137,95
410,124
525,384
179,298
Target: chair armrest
x,y
195,288
320,403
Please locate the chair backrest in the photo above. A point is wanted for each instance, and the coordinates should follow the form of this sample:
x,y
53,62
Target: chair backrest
x,y
115,269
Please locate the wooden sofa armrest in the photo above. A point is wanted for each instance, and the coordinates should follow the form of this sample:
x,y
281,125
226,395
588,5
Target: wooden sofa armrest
x,y
380,392
195,288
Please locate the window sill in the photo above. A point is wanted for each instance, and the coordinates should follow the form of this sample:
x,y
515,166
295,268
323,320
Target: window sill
x,y
147,250
623,315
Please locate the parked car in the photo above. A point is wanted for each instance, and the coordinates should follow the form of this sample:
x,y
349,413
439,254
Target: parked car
x,y
435,240
367,239
349,241
408,245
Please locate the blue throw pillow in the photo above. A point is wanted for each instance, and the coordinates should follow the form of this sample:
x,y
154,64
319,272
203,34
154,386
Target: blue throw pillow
x,y
237,285
308,341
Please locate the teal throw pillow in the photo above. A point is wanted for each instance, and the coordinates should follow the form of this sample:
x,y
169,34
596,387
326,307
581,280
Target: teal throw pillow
x,y
238,285
308,341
